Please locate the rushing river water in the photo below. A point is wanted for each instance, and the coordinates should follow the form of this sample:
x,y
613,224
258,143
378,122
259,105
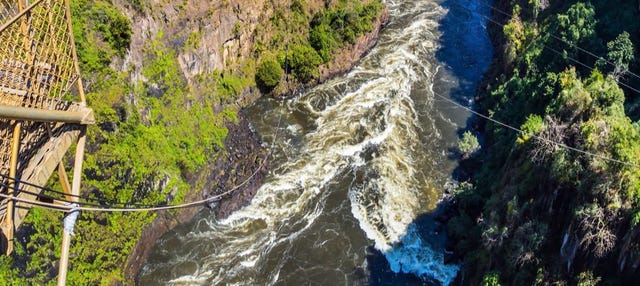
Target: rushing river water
x,y
357,162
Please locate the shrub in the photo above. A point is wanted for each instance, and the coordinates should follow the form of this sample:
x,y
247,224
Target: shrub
x,y
468,144
532,126
115,27
268,74
491,279
304,61
322,40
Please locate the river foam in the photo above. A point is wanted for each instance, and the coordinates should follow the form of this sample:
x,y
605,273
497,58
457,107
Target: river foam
x,y
355,163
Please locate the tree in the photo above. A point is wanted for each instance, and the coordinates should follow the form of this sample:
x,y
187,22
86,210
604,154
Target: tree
x,y
578,24
594,229
515,34
468,144
577,27
620,54
268,74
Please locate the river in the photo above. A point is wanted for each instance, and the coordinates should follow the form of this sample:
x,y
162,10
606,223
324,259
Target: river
x,y
358,165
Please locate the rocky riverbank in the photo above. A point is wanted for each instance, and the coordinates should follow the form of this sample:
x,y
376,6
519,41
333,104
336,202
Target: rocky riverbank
x,y
235,175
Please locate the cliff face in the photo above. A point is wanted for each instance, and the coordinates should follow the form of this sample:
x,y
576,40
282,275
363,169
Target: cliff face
x,y
207,35
232,36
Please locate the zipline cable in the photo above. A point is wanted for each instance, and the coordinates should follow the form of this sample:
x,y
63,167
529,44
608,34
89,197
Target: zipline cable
x,y
562,145
44,196
47,189
66,208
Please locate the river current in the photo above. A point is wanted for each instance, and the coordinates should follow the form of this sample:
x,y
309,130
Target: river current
x,y
358,165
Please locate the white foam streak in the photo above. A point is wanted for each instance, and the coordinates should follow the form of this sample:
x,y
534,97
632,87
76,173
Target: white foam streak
x,y
371,130
187,280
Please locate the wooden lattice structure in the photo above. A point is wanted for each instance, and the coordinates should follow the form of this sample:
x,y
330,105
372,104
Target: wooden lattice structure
x,y
42,105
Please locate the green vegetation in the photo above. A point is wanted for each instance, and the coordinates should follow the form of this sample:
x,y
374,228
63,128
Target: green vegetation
x,y
468,143
304,61
304,42
538,213
619,55
154,134
108,25
491,279
333,28
533,125
268,74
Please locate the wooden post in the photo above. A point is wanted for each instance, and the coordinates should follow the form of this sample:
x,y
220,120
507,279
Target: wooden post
x,y
75,190
9,224
62,174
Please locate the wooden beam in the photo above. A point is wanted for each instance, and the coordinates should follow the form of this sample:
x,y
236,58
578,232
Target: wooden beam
x,y
62,174
74,54
41,166
64,181
17,16
82,116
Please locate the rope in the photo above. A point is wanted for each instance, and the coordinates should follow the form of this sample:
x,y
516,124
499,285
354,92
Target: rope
x,y
69,207
47,189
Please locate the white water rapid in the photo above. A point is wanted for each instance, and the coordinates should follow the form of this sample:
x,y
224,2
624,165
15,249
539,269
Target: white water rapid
x,y
357,160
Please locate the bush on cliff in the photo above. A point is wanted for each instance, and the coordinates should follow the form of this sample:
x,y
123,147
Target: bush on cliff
x,y
268,74
304,61
341,25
